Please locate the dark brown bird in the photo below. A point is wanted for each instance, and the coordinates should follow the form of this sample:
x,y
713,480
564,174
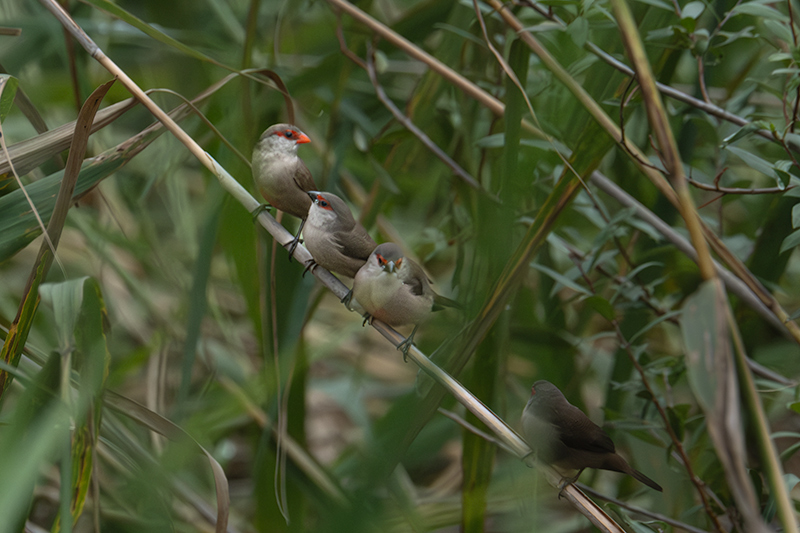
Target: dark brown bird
x,y
281,177
395,290
563,436
333,237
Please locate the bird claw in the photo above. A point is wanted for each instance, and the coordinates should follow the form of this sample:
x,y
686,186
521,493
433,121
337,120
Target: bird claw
x,y
258,210
404,347
310,265
293,246
296,239
568,481
367,318
347,298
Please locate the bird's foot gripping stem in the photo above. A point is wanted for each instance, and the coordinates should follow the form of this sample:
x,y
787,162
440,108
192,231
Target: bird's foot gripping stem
x,y
296,240
568,481
258,210
347,298
406,345
310,265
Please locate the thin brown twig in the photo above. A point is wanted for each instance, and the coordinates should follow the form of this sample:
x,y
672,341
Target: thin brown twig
x,y
281,424
474,430
673,93
724,20
410,126
624,100
515,80
696,481
699,484
405,121
737,190
645,298
682,526
701,77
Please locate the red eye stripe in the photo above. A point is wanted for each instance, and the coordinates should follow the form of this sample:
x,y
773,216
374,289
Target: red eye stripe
x,y
293,135
320,201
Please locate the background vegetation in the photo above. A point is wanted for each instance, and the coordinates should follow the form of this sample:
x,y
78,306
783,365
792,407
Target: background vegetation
x,y
177,354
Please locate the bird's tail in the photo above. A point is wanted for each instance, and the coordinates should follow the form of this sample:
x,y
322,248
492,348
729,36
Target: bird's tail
x,y
440,302
646,480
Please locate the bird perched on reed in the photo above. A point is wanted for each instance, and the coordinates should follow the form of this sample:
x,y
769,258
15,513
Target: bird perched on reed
x,y
281,176
395,290
335,240
563,436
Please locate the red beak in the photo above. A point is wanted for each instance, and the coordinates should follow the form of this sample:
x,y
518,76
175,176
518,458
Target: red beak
x,y
303,139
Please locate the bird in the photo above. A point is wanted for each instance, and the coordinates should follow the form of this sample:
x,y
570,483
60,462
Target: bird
x,y
563,436
335,240
395,290
280,175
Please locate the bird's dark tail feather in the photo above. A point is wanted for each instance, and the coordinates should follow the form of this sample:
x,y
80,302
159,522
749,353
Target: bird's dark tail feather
x,y
440,302
646,480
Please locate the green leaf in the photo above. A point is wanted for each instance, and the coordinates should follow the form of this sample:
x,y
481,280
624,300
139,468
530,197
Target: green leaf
x,y
705,337
496,140
602,306
753,161
779,29
733,36
66,299
741,133
757,9
659,4
796,216
80,317
791,241
677,416
560,278
578,31
693,10
152,32
779,56
8,91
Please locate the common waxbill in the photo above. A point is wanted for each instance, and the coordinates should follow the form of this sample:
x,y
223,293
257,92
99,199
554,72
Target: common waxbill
x,y
281,177
333,237
395,290
563,436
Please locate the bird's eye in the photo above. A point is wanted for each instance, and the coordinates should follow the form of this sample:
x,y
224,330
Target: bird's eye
x,y
323,203
288,134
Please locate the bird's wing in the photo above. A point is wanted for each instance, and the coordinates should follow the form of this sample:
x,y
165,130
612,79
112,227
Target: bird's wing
x,y
356,243
581,433
304,179
416,280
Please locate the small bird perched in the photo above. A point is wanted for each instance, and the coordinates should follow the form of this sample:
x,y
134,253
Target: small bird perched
x,y
281,177
333,237
395,290
563,436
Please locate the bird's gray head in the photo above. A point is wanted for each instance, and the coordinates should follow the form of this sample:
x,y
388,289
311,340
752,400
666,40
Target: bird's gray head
x,y
545,392
331,208
389,256
284,137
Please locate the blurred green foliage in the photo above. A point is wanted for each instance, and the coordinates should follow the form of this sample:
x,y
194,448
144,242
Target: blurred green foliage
x,y
212,328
